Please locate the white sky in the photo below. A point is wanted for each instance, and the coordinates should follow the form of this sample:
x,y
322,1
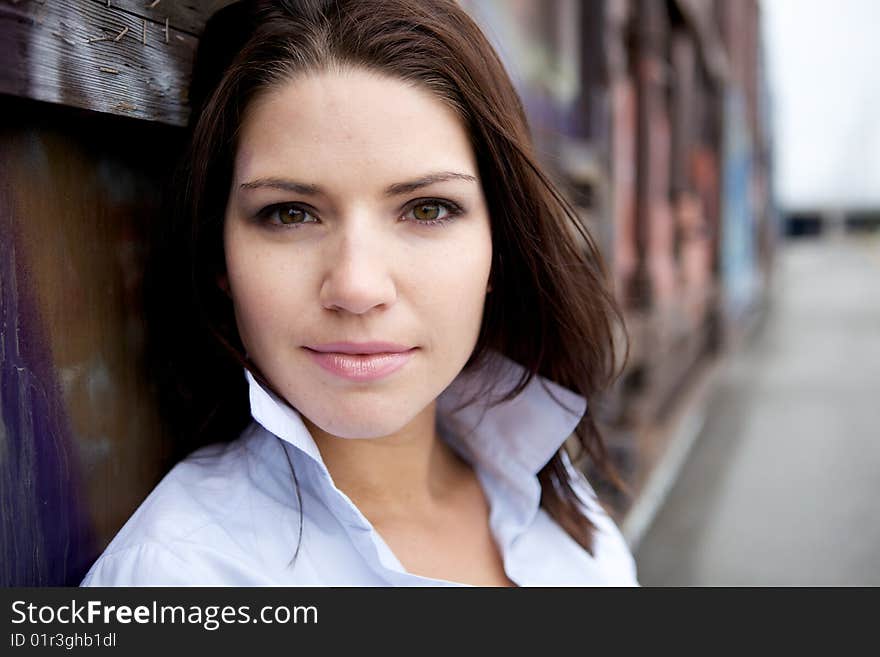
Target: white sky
x,y
824,72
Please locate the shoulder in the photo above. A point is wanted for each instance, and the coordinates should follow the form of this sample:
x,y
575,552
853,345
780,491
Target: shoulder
x,y
194,509
145,564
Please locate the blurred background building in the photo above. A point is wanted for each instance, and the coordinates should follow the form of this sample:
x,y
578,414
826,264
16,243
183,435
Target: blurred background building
x,y
696,138
655,117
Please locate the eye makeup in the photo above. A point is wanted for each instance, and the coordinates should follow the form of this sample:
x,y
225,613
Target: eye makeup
x,y
290,215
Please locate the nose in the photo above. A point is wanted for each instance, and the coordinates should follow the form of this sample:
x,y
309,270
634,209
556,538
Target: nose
x,y
358,276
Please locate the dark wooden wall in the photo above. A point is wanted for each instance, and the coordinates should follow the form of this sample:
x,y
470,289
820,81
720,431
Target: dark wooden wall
x,y
81,442
93,97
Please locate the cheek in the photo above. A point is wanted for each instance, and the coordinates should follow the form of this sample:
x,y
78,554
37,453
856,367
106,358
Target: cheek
x,y
452,283
262,294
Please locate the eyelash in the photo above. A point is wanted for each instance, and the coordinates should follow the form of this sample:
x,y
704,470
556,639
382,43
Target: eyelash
x,y
453,211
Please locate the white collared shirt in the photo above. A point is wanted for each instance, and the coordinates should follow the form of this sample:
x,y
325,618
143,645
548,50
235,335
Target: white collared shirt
x,y
228,514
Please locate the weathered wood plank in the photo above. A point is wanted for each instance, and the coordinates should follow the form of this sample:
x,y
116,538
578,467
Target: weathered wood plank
x,y
119,59
189,16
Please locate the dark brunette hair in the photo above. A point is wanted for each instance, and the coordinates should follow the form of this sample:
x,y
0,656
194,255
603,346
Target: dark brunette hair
x,y
549,309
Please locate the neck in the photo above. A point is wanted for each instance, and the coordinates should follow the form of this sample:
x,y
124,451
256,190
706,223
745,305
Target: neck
x,y
407,473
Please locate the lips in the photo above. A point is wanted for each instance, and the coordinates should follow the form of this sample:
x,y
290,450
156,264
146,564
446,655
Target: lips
x,y
359,347
370,363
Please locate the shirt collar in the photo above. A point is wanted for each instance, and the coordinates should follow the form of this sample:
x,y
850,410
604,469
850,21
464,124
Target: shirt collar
x,y
522,433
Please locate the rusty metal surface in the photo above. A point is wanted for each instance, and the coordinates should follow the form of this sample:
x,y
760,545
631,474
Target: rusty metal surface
x,y
81,442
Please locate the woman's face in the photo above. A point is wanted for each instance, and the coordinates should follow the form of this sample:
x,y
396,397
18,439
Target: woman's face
x,y
356,215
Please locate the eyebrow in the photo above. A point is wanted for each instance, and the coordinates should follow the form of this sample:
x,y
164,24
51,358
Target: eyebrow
x,y
395,189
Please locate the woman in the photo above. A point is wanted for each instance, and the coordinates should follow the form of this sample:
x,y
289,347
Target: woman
x,y
420,316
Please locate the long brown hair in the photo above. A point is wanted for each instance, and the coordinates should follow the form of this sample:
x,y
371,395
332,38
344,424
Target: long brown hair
x,y
549,309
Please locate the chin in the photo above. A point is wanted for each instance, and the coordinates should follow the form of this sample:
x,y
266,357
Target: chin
x,y
361,423
358,429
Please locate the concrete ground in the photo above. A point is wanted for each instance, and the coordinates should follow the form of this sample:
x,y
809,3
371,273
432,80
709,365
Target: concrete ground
x,y
782,486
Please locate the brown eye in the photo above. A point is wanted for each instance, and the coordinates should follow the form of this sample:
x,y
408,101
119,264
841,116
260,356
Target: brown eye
x,y
432,212
292,215
287,215
427,211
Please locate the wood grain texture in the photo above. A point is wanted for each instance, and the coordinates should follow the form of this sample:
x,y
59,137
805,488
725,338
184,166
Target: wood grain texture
x,y
189,16
117,59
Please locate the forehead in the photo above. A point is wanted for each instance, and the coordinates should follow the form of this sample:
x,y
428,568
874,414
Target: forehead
x,y
334,123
